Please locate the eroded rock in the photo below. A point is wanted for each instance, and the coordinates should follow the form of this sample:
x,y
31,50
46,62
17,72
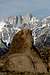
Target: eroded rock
x,y
21,57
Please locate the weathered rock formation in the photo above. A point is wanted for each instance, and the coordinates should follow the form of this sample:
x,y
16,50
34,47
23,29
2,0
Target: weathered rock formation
x,y
22,57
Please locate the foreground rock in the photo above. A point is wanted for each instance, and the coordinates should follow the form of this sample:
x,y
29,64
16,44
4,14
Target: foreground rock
x,y
22,57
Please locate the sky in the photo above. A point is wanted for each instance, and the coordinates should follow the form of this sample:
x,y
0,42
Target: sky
x,y
23,7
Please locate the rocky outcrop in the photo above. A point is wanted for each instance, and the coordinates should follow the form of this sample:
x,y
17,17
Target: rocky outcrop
x,y
22,57
22,42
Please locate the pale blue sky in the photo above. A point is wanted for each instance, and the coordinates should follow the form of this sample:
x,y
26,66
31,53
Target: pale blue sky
x,y
23,7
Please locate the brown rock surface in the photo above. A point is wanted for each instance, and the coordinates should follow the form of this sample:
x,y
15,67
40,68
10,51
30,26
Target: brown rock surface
x,y
21,41
22,57
20,63
49,58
